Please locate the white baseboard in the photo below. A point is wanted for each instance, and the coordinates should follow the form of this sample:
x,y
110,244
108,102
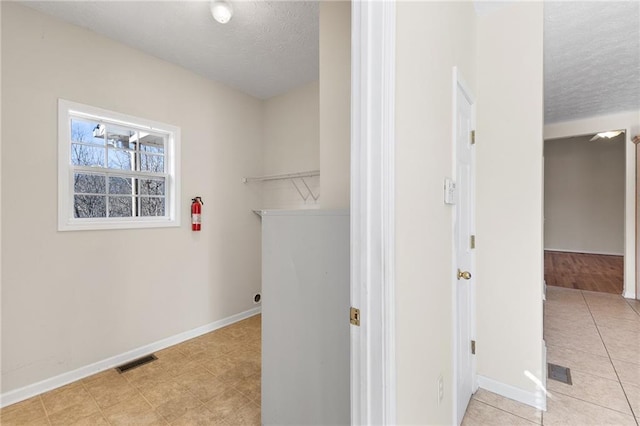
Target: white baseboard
x,y
629,294
603,253
535,399
46,385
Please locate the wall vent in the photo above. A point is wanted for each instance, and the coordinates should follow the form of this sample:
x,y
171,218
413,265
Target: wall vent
x,y
136,363
559,373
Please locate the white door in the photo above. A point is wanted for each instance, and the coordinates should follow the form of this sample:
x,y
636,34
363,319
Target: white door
x,y
464,246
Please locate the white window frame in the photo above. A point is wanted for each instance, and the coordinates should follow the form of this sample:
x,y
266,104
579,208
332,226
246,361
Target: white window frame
x,y
66,220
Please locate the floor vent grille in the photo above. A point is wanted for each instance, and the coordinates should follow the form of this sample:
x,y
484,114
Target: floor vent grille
x,y
136,363
559,373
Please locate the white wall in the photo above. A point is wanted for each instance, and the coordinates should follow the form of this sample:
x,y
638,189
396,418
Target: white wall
x,y
509,200
625,120
584,195
431,39
291,144
74,298
335,103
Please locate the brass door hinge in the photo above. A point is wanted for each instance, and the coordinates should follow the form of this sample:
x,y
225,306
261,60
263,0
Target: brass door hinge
x,y
473,347
472,241
354,315
473,137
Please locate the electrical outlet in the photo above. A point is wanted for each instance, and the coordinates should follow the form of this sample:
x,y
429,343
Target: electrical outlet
x,y
440,384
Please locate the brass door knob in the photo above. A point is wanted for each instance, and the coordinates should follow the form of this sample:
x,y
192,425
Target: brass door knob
x,y
464,275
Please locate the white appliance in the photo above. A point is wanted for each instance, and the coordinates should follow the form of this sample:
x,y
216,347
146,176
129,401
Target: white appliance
x,y
305,317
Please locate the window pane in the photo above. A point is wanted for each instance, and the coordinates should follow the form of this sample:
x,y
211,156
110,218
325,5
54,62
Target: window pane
x,y
151,206
152,186
151,143
83,155
89,206
120,137
120,206
120,160
152,163
87,131
89,183
121,185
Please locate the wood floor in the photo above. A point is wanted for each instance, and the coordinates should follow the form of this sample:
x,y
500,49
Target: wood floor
x,y
592,272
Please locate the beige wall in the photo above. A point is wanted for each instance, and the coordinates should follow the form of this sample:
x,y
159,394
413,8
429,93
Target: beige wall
x,y
629,120
291,144
335,103
73,298
431,38
584,195
509,198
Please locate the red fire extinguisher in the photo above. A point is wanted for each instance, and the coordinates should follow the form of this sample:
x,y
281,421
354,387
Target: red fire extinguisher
x,y
196,211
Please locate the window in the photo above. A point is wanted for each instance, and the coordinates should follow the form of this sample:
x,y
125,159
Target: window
x,y
115,171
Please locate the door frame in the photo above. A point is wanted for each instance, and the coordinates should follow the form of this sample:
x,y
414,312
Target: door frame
x,y
459,85
594,125
373,364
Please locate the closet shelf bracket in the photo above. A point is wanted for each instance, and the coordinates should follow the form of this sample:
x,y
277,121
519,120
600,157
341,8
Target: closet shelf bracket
x,y
297,179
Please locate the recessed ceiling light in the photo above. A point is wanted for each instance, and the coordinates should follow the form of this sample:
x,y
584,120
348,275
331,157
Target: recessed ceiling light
x,y
606,135
221,11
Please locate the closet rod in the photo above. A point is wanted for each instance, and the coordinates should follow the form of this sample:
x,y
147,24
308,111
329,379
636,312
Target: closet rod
x,y
310,173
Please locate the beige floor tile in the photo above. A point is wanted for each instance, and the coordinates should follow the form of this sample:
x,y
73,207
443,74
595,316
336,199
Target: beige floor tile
x,y
203,385
635,305
148,373
96,419
248,415
604,392
124,412
23,412
633,394
226,403
174,408
110,390
628,372
159,393
249,387
480,414
64,397
581,361
199,416
148,418
218,365
622,344
620,312
565,410
508,405
589,343
75,413
616,323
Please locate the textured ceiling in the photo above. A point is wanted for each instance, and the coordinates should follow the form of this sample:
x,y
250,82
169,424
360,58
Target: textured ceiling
x,y
591,59
592,48
268,48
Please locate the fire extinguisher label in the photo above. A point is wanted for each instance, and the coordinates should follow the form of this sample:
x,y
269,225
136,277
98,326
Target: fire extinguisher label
x,y
195,218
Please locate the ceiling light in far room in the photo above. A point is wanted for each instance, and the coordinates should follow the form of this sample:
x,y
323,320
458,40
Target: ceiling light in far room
x,y
606,135
221,11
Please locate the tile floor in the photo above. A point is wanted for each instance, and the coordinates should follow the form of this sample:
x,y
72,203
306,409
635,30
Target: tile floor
x,y
596,335
211,380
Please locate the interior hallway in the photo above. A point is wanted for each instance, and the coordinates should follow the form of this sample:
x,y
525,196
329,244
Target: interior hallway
x,y
210,380
596,335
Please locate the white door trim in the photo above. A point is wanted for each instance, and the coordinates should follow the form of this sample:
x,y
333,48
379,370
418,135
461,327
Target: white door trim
x,y
373,369
460,85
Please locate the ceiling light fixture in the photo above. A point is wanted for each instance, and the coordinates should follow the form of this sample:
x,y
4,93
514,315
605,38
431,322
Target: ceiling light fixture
x,y
606,135
221,11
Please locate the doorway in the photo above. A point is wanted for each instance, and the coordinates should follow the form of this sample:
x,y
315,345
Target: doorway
x,y
584,212
464,245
